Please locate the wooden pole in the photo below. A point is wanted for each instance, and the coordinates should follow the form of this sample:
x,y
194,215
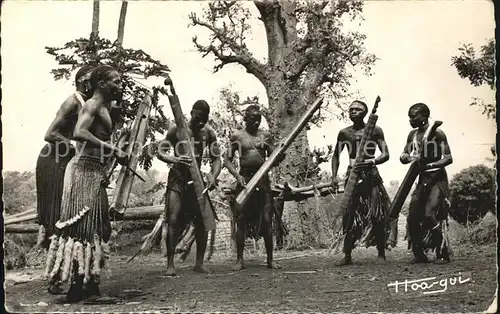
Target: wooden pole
x,y
242,198
126,177
360,156
183,135
411,175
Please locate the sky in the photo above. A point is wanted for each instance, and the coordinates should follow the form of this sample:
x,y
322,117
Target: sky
x,y
414,41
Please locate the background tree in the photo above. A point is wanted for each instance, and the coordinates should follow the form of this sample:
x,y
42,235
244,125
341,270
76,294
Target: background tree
x,y
472,193
479,70
309,54
133,64
19,191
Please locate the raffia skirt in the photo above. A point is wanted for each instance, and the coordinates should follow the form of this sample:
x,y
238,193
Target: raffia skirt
x,y
50,169
83,230
253,210
370,209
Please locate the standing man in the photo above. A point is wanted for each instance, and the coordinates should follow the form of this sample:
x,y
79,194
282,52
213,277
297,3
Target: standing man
x,y
370,201
181,203
53,159
84,228
429,202
255,219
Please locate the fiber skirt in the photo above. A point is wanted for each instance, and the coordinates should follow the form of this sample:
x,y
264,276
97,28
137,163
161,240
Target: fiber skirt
x,y
50,169
84,228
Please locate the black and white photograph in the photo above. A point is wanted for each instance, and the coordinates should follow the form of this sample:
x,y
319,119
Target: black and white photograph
x,y
249,156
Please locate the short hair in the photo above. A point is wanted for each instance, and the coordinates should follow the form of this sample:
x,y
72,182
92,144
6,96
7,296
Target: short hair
x,y
201,105
362,103
100,73
251,109
84,70
422,108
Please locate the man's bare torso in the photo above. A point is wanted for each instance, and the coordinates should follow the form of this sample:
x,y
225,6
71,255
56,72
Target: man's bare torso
x,y
252,147
351,138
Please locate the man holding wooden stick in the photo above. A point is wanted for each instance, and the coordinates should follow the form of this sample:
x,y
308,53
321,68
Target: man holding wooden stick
x,y
366,217
181,204
255,219
429,204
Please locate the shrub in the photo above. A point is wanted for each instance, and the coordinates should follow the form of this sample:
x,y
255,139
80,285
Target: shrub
x,y
472,193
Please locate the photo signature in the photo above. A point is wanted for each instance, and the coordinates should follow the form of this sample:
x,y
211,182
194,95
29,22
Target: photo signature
x,y
426,285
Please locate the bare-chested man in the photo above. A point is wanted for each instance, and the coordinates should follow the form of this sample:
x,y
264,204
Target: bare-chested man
x,y
429,202
255,220
181,203
53,159
370,200
84,225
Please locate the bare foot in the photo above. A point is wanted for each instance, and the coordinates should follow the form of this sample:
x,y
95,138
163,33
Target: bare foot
x,y
347,260
201,269
170,272
239,265
273,265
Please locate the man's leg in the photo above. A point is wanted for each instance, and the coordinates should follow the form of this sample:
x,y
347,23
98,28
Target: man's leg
x,y
240,240
415,230
201,245
380,238
267,225
173,203
433,204
349,239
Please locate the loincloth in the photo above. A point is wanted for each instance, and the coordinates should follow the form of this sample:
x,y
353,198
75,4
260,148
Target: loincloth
x,y
178,182
426,182
50,168
84,228
368,208
252,213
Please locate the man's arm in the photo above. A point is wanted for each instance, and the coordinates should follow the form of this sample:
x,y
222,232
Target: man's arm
x,y
165,145
405,156
53,133
234,145
82,129
382,145
447,159
339,147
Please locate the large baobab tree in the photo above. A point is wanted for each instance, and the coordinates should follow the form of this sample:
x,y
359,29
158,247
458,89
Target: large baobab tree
x,y
309,53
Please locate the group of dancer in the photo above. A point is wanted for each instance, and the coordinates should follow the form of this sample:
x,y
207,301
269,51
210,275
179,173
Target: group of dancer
x,y
73,205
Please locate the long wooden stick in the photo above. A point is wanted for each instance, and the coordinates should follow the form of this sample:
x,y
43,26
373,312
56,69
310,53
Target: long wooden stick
x,y
360,156
136,140
182,132
411,175
242,198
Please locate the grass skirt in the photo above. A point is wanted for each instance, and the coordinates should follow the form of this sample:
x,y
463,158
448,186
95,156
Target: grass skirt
x,y
50,168
83,230
419,198
370,213
253,210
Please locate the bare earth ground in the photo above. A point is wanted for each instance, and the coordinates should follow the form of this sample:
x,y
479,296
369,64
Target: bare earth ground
x,y
309,281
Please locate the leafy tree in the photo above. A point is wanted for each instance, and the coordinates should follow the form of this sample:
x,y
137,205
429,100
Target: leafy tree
x,y
309,54
19,191
472,193
133,64
479,70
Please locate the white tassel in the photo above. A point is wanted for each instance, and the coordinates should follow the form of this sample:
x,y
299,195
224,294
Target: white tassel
x,y
59,257
68,256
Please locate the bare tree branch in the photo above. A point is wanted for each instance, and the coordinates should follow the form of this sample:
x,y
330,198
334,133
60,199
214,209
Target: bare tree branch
x,y
239,52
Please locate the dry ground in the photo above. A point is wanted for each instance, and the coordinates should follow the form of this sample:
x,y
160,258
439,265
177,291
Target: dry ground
x,y
309,281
